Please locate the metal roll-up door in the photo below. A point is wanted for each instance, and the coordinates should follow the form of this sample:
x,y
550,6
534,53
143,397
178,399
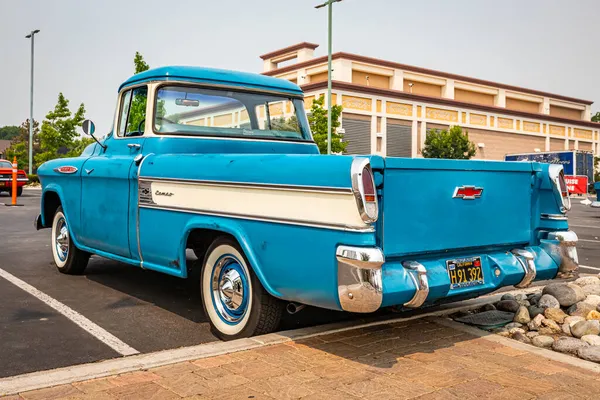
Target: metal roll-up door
x,y
358,135
399,140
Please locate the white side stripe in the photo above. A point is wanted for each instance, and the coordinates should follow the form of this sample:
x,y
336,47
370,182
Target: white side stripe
x,y
84,323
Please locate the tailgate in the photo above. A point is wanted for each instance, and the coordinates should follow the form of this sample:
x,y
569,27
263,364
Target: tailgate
x,y
420,213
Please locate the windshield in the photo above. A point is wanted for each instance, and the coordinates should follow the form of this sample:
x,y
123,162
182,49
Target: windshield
x,y
209,112
5,164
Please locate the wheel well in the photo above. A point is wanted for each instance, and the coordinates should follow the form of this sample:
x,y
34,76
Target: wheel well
x,y
200,239
51,204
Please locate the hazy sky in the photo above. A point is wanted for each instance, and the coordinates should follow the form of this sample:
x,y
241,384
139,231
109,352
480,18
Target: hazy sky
x,y
85,48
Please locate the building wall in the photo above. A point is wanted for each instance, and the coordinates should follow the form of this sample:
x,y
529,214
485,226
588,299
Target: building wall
x,y
498,144
522,105
565,112
422,88
473,97
368,79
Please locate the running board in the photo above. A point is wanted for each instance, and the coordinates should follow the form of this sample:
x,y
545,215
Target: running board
x,y
418,274
525,258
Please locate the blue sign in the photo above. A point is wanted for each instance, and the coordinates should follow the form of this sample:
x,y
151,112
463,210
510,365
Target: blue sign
x,y
565,158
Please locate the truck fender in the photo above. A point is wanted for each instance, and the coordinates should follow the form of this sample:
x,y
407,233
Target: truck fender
x,y
230,227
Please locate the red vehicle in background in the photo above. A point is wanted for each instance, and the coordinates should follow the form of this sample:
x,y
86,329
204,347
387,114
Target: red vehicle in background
x,y
6,178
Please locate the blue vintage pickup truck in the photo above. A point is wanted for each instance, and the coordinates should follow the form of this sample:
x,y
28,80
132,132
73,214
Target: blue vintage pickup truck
x,y
223,163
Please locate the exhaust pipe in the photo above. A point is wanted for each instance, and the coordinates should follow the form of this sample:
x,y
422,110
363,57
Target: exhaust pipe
x,y
293,308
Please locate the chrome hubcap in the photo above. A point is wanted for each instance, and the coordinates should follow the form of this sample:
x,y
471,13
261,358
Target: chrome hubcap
x,y
230,289
61,243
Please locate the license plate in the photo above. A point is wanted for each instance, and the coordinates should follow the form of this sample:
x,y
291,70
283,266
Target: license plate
x,y
465,272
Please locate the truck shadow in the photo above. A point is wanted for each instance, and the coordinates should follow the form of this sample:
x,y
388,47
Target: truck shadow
x,y
182,296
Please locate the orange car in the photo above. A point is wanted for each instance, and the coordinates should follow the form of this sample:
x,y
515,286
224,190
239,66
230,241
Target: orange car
x,y
6,178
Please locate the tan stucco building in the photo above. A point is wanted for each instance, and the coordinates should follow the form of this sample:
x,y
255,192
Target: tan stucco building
x,y
388,107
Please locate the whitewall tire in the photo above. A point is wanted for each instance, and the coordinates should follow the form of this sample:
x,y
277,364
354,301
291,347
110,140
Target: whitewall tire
x,y
233,298
67,258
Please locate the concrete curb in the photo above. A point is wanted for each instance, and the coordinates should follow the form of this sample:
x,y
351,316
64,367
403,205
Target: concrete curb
x,y
77,373
553,355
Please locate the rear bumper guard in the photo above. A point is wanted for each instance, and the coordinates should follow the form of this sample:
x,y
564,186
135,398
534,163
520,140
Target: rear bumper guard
x,y
567,248
418,274
526,259
360,287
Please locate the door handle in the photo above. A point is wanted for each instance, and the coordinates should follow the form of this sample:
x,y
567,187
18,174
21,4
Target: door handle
x,y
134,146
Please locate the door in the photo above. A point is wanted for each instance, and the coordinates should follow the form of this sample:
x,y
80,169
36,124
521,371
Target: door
x,y
398,138
357,132
107,181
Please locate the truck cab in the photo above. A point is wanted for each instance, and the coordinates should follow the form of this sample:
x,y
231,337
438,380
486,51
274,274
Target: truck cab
x,y
223,163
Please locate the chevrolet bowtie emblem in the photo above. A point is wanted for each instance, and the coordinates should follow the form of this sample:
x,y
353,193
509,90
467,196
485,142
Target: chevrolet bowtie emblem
x,y
467,192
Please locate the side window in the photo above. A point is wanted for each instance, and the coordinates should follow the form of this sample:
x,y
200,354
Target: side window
x,y
125,102
133,112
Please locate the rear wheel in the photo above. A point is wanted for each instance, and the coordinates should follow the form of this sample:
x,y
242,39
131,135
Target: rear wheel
x,y
19,191
67,258
233,298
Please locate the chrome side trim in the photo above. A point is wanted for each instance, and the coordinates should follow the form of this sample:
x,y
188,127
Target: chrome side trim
x,y
525,258
270,186
418,274
358,164
340,227
567,248
360,286
137,222
554,217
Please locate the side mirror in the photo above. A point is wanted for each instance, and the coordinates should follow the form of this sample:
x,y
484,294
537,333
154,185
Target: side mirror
x,y
89,128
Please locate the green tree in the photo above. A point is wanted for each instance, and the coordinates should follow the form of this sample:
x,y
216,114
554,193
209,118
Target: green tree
x,y
596,117
8,132
139,63
317,120
452,143
59,137
19,146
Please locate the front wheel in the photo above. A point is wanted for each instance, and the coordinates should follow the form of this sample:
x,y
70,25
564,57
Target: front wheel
x,y
67,258
233,298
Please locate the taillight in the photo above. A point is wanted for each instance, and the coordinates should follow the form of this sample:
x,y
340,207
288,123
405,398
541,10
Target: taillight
x,y
561,192
363,186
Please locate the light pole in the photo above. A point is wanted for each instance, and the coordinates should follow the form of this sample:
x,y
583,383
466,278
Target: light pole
x,y
31,36
329,4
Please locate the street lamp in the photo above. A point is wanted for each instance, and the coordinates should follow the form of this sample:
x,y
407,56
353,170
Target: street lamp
x,y
31,36
329,4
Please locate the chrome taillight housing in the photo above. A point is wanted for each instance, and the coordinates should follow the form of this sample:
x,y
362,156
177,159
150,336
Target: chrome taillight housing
x,y
559,187
363,187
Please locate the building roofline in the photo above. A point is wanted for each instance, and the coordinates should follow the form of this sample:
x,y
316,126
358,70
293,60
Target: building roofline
x,y
390,64
441,101
289,49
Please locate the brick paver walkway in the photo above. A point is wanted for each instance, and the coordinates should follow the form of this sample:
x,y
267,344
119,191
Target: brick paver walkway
x,y
405,360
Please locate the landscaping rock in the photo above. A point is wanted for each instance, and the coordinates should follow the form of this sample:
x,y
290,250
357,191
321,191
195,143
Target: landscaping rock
x,y
533,334
591,353
587,280
507,305
509,296
592,299
591,289
534,298
513,325
534,311
583,328
522,296
488,307
593,315
524,303
521,337
566,294
554,327
592,340
548,301
513,331
503,333
580,309
568,345
555,314
536,323
571,320
566,328
543,341
522,315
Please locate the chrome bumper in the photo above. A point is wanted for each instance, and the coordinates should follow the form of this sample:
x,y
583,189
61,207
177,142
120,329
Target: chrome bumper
x,y
567,242
526,259
360,287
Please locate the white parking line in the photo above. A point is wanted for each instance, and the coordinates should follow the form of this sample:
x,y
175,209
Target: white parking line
x,y
589,240
84,323
586,267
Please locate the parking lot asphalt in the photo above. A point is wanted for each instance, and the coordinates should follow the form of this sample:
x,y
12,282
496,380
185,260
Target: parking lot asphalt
x,y
146,310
